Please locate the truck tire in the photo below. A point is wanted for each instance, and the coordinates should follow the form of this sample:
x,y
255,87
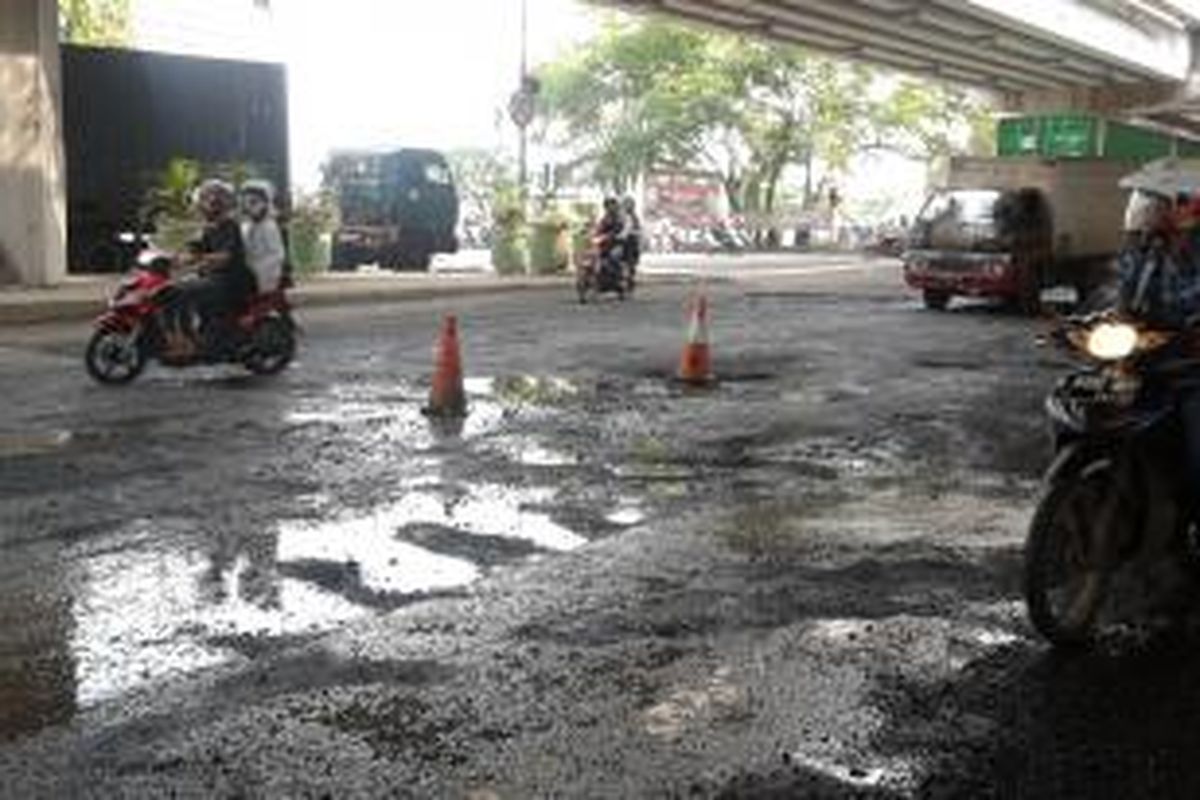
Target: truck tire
x,y
341,259
935,300
413,260
1029,303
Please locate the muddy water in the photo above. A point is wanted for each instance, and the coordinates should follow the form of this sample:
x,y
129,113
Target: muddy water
x,y
156,597
396,509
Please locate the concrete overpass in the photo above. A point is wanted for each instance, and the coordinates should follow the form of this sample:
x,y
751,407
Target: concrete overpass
x,y
1130,58
1133,58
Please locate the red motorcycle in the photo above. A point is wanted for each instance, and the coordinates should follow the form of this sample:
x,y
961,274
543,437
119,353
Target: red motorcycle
x,y
261,336
604,267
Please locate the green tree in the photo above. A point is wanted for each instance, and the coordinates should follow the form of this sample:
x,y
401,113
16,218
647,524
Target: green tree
x,y
631,99
925,120
107,23
650,94
479,174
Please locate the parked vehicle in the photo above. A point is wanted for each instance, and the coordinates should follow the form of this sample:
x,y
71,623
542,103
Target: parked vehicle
x,y
397,208
1011,228
603,269
261,336
1115,497
127,114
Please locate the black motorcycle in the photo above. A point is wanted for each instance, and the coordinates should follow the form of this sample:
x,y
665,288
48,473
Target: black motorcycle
x,y
1115,511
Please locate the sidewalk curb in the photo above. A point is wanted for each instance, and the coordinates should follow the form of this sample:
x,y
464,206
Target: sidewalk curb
x,y
317,294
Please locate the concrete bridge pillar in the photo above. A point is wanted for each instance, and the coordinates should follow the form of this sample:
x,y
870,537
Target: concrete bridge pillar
x,y
33,191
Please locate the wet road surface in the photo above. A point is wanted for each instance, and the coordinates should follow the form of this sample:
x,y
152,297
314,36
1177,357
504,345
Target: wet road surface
x,y
801,583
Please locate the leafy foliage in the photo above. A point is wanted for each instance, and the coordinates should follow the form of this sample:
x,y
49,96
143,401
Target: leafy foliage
x,y
101,23
649,94
478,175
314,215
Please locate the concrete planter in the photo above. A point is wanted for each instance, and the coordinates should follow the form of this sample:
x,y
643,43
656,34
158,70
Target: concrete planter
x,y
509,256
549,249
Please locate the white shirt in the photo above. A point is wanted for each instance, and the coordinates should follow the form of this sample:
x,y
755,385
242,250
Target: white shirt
x,y
264,252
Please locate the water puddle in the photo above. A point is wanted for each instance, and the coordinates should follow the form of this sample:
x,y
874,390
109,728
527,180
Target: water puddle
x,y
164,599
526,390
376,542
391,413
627,516
34,443
142,616
525,451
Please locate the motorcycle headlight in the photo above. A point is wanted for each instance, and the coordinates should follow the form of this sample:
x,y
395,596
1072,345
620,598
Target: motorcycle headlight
x,y
1112,341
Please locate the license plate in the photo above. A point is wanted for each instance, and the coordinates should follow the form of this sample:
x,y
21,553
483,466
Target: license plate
x,y
1060,295
1089,384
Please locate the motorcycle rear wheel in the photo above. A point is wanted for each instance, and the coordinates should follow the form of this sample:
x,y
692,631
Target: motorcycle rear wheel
x,y
113,359
1066,585
272,347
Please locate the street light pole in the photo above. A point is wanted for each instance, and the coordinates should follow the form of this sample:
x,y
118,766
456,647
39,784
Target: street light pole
x,y
523,175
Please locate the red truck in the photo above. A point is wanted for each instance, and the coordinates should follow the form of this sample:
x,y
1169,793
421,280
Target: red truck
x,y
1012,228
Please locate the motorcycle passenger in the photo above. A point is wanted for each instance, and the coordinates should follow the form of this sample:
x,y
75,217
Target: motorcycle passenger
x,y
1160,283
610,228
224,282
631,234
265,253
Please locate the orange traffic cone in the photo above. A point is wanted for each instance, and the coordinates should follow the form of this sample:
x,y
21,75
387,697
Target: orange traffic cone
x,y
446,396
695,365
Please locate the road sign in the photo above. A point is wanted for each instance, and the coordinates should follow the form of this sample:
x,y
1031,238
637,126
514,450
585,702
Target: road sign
x,y
520,108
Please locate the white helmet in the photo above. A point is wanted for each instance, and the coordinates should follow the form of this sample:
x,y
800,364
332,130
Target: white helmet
x,y
260,187
1146,212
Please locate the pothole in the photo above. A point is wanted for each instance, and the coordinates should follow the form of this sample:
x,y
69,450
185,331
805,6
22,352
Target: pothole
x,y
34,443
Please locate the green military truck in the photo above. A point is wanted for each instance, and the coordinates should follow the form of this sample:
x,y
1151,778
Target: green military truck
x,y
396,208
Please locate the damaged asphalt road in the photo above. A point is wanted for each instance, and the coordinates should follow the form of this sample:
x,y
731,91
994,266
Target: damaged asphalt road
x,y
801,583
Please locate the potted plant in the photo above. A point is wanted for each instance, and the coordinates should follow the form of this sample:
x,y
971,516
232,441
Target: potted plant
x,y
508,237
168,206
550,247
311,223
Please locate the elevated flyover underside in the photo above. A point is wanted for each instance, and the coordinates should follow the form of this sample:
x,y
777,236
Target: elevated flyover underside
x,y
1127,57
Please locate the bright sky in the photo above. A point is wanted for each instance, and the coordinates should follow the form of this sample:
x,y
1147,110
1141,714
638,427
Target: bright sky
x,y
394,73
409,72
366,73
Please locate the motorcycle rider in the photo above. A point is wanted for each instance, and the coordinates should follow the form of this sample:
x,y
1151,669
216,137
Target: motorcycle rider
x,y
1160,282
224,281
610,228
265,252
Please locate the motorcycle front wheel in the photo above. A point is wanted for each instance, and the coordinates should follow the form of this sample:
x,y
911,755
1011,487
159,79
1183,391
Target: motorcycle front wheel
x,y
114,357
1067,574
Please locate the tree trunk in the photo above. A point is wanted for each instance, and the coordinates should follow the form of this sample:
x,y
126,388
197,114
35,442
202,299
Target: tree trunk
x,y
733,192
808,182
